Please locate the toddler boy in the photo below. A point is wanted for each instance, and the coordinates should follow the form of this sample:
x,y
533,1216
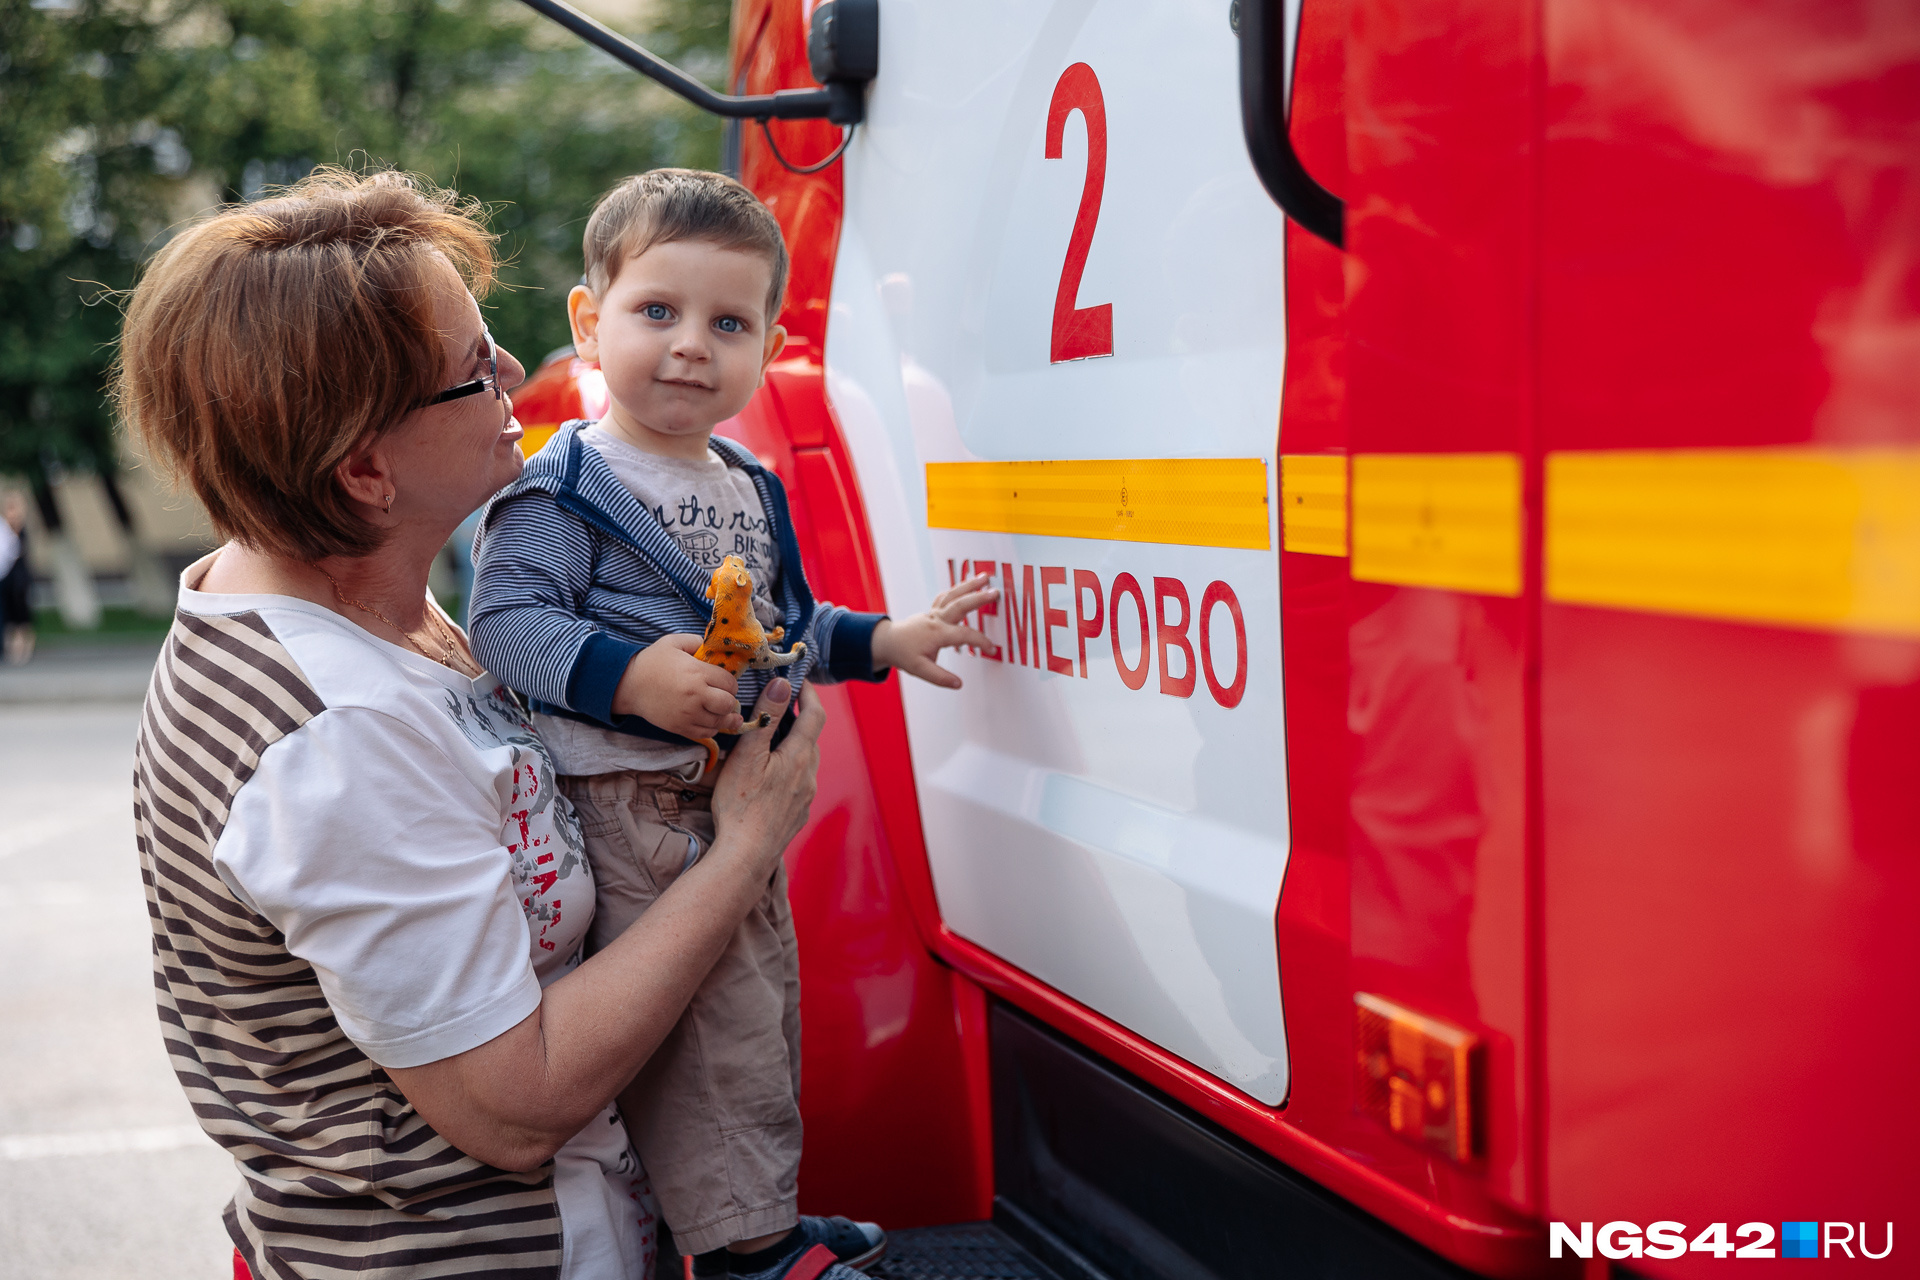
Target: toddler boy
x,y
589,596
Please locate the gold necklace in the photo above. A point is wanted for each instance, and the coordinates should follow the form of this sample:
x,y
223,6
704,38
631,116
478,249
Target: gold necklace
x,y
458,658
446,639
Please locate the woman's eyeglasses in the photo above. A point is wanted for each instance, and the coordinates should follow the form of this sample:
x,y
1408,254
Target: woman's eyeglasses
x,y
490,380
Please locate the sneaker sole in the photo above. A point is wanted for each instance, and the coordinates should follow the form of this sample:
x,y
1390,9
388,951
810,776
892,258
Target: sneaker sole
x,y
867,1259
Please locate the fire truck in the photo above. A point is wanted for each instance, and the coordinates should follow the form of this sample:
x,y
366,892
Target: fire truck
x,y
1446,798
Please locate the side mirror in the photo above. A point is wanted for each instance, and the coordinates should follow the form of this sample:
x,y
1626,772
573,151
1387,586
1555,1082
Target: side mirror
x,y
843,52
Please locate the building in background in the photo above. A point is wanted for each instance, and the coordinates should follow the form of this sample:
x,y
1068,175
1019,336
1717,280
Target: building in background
x,y
91,562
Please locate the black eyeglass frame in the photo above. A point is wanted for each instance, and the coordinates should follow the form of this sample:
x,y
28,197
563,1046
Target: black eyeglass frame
x,y
491,378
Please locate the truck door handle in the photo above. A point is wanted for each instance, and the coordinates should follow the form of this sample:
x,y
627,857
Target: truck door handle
x,y
1264,111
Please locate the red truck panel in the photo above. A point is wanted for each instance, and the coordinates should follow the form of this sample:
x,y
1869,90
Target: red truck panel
x,y
1729,257
1663,866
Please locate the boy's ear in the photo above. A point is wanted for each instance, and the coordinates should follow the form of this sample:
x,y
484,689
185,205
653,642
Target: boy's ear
x,y
776,343
583,315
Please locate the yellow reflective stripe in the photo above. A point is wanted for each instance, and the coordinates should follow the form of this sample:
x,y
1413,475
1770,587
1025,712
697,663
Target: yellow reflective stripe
x,y
1793,536
1194,502
1826,538
1313,503
1438,520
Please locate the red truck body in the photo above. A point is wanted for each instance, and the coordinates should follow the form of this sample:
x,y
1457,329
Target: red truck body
x,y
1644,816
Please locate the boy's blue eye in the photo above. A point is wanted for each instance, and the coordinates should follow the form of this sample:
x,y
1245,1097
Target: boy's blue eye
x,y
727,324
656,311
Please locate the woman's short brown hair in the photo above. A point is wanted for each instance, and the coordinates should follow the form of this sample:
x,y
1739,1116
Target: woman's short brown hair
x,y
268,340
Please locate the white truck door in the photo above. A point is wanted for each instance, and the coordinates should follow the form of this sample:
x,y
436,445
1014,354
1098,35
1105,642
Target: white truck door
x,y
1055,347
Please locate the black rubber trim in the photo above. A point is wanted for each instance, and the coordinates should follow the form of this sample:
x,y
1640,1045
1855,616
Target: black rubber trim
x,y
1101,1177
1264,114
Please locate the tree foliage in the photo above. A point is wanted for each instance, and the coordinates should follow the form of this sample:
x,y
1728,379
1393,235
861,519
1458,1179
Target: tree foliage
x,y
119,122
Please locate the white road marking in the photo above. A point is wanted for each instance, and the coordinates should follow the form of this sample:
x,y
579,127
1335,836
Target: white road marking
x,y
100,1142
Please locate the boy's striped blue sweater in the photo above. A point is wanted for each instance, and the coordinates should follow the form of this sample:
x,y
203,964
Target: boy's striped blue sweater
x,y
573,576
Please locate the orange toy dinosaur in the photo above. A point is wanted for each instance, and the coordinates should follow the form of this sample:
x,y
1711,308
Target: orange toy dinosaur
x,y
735,640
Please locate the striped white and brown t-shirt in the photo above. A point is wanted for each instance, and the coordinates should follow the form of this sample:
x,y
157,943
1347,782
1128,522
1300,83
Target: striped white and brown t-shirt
x,y
356,859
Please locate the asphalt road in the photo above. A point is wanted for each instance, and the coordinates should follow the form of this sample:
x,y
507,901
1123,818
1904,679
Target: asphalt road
x,y
103,1173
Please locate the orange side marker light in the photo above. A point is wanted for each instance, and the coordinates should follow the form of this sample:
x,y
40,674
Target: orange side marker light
x,y
1416,1075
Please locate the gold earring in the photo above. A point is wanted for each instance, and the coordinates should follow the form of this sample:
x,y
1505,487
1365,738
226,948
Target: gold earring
x,y
389,504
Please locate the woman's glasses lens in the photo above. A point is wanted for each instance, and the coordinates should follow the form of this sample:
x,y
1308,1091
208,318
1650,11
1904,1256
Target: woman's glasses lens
x,y
488,381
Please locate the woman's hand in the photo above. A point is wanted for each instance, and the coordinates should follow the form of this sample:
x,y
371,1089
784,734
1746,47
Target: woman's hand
x,y
763,795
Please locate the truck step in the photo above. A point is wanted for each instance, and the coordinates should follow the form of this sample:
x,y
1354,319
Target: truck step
x,y
965,1251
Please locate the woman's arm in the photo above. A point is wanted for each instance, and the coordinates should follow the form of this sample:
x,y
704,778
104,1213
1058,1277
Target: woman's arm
x,y
515,1100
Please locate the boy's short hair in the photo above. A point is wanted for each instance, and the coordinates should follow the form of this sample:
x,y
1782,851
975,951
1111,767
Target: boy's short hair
x,y
268,340
662,206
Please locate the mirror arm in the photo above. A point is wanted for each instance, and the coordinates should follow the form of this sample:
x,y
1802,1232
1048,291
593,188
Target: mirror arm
x,y
839,103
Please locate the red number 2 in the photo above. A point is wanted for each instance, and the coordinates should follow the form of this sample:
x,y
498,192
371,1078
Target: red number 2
x,y
1080,332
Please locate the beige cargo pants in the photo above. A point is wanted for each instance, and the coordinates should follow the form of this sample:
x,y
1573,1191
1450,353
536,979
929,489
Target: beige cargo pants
x,y
715,1113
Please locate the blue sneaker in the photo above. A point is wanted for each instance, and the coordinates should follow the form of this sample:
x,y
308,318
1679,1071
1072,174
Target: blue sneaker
x,y
817,1249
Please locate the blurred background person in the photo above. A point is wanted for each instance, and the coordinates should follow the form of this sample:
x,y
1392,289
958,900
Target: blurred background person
x,y
16,581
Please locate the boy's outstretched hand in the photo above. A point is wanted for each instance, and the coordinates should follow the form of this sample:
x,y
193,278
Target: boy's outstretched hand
x,y
914,644
665,684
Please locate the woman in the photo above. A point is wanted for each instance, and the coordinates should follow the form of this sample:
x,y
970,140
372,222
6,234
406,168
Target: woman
x,y
16,582
368,899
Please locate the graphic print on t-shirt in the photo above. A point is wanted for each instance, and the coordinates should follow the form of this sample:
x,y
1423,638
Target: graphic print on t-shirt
x,y
545,848
709,535
551,877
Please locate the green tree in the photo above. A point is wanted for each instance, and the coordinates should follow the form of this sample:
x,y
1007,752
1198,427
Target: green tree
x,y
82,188
477,94
119,121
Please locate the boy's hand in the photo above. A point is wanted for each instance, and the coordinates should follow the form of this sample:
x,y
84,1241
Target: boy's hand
x,y
666,685
914,644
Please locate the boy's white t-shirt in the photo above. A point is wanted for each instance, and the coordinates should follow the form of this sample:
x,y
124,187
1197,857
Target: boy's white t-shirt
x,y
713,511
411,845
